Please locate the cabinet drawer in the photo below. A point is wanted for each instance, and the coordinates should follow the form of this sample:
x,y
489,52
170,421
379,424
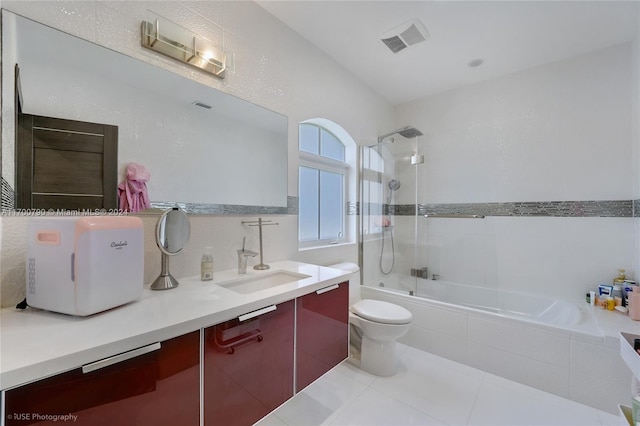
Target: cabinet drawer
x,y
248,366
158,387
322,332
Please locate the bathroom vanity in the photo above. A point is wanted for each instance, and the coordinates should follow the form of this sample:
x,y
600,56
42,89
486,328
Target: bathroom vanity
x,y
226,351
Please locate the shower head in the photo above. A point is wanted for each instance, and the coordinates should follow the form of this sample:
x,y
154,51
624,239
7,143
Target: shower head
x,y
394,185
407,132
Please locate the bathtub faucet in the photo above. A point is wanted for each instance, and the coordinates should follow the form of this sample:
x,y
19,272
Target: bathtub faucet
x,y
435,277
420,273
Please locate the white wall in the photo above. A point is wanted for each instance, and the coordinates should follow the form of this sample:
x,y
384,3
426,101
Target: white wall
x,y
636,144
559,132
274,68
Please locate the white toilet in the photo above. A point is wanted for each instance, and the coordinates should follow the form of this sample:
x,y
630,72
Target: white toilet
x,y
374,327
381,324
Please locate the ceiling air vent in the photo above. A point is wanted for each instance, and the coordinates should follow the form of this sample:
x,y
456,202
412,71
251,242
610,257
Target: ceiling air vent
x,y
405,35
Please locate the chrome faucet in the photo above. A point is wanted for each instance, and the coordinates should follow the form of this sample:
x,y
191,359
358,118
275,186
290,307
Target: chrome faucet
x,y
243,255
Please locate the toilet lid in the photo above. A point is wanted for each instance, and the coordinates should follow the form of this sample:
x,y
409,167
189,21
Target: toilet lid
x,y
382,312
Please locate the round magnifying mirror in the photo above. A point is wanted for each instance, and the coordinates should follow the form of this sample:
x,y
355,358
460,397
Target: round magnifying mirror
x,y
172,231
172,235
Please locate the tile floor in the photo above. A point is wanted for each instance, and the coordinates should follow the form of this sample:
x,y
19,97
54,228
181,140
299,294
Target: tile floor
x,y
429,390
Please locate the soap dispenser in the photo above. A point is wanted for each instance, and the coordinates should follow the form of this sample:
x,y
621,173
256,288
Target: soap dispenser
x,y
206,265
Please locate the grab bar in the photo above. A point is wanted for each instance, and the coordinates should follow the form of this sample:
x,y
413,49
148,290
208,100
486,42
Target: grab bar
x,y
454,216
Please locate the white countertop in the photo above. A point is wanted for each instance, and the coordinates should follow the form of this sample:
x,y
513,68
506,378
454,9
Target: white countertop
x,y
35,344
611,323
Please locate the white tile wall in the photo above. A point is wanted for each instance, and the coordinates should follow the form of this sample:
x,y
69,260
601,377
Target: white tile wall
x,y
588,361
555,132
520,340
437,342
562,131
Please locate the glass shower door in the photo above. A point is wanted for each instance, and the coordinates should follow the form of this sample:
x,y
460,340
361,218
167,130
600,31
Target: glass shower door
x,y
388,188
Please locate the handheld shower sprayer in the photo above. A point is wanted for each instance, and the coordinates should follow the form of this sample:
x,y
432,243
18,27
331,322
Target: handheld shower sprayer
x,y
394,185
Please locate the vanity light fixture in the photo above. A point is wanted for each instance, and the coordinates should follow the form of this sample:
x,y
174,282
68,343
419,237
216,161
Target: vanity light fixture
x,y
170,39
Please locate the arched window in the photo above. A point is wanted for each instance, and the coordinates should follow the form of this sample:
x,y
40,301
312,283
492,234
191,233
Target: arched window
x,y
324,178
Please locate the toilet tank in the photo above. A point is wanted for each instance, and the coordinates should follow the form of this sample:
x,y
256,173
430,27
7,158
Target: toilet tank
x,y
353,277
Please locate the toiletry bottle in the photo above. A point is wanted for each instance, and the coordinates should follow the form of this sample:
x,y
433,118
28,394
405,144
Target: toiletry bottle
x,y
620,278
617,294
206,265
633,303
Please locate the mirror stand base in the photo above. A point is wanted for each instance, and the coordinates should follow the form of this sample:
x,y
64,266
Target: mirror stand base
x,y
261,267
164,282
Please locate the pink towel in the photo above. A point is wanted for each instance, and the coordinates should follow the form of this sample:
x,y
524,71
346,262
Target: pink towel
x,y
133,190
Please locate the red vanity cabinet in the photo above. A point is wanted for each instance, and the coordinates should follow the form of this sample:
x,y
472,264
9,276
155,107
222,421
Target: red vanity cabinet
x,y
154,385
248,365
322,332
235,372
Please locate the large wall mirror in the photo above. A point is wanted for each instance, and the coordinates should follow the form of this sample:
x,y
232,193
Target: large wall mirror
x,y
205,150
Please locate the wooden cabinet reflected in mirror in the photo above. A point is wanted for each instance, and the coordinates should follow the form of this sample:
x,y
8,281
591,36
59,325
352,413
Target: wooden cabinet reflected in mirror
x,y
64,164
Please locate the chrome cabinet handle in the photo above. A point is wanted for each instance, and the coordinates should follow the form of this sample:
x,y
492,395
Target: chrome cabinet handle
x,y
259,312
326,289
119,358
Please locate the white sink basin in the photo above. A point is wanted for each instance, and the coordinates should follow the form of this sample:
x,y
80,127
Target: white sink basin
x,y
253,283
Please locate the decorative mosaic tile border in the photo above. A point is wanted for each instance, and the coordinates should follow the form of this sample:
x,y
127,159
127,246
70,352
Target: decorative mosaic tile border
x,y
229,209
618,208
7,202
352,208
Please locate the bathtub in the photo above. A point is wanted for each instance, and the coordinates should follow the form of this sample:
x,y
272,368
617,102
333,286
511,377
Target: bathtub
x,y
520,306
549,344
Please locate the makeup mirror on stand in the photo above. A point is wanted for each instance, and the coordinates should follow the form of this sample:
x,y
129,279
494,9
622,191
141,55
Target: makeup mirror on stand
x,y
172,234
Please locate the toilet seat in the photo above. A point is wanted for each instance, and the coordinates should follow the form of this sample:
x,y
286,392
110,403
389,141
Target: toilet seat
x,y
381,312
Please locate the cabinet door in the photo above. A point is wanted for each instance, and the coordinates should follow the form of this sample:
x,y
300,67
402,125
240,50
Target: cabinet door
x,y
158,387
248,366
322,332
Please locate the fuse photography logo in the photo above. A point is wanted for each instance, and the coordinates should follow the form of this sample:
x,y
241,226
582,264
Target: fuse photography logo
x,y
42,417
